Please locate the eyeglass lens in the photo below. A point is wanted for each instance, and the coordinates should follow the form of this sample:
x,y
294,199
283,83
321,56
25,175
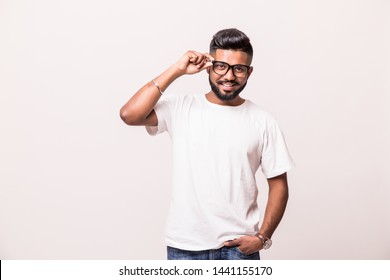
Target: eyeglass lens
x,y
221,68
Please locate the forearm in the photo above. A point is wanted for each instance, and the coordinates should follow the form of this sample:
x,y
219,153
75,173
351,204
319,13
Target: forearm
x,y
141,104
137,111
276,205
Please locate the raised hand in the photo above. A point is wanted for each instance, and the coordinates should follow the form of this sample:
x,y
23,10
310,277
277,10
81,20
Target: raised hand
x,y
194,62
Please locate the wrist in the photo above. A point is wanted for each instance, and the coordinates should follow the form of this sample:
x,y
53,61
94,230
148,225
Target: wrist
x,y
166,78
177,70
266,241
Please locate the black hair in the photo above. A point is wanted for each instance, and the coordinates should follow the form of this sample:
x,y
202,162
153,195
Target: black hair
x,y
231,39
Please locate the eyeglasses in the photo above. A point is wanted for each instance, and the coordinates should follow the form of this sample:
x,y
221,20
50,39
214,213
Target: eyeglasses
x,y
239,70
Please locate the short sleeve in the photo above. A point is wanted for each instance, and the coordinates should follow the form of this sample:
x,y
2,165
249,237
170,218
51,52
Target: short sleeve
x,y
163,110
275,159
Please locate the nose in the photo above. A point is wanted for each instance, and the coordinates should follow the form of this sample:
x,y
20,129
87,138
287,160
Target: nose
x,y
229,74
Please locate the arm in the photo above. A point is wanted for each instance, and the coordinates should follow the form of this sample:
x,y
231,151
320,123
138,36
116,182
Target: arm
x,y
139,109
276,205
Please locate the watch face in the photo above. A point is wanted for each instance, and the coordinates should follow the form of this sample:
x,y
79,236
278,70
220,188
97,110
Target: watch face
x,y
267,244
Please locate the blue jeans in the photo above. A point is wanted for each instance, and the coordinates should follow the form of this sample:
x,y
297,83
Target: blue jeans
x,y
224,253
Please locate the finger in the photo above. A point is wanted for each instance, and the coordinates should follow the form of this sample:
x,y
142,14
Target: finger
x,y
205,65
209,57
206,62
231,243
192,56
195,57
205,57
200,65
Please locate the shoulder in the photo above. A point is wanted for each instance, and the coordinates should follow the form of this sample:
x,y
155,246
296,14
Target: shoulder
x,y
177,102
170,100
259,113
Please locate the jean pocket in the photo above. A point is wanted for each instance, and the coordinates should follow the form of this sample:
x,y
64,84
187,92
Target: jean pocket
x,y
241,255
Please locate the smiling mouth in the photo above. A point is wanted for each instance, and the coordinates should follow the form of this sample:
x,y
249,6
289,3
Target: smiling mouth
x,y
227,85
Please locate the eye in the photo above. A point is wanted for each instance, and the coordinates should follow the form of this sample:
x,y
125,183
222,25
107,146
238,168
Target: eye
x,y
220,66
239,68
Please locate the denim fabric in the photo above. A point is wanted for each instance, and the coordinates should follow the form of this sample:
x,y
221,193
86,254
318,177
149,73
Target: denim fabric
x,y
224,253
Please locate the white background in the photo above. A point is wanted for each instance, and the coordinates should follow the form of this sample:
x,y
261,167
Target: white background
x,y
77,183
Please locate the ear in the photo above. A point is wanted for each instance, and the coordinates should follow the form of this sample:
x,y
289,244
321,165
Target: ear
x,y
250,72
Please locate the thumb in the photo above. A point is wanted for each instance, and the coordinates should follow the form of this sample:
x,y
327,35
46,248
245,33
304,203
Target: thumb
x,y
231,243
209,63
206,66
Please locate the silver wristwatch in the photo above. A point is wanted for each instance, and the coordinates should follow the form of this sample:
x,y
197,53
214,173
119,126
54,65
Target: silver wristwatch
x,y
267,243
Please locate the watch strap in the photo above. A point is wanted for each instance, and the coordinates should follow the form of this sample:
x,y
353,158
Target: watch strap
x,y
267,242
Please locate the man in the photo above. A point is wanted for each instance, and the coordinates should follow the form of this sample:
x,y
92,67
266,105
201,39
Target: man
x,y
219,142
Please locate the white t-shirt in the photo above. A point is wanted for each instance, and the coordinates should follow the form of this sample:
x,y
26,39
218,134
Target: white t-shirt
x,y
216,153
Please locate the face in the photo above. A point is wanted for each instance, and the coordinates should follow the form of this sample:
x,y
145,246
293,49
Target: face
x,y
227,87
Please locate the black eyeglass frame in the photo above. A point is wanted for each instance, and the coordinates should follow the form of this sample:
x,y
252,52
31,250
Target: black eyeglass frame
x,y
232,67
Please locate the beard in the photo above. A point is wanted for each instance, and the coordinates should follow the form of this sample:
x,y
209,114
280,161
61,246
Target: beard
x,y
226,97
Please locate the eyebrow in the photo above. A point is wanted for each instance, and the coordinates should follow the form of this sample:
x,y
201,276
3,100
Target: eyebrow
x,y
230,64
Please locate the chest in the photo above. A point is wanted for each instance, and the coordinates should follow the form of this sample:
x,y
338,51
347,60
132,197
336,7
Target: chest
x,y
230,132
